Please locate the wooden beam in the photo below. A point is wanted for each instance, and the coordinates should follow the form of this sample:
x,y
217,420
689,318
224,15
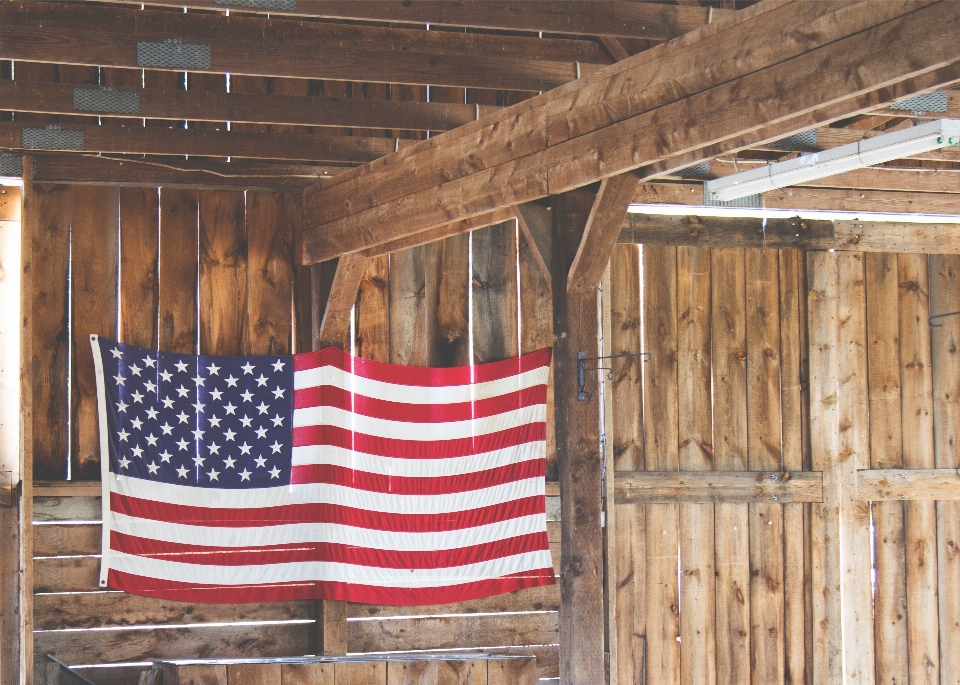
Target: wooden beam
x,y
82,169
335,324
662,487
567,139
331,627
535,222
600,235
29,236
897,485
440,232
579,17
97,36
211,143
196,105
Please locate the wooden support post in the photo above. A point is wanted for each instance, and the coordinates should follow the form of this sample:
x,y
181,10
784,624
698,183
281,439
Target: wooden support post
x,y
331,627
575,328
29,230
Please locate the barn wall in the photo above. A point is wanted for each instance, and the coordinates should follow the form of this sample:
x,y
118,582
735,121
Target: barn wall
x,y
213,272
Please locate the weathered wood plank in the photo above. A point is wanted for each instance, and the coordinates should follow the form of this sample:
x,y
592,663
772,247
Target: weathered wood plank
x,y
660,420
359,673
889,236
764,443
793,402
119,609
272,219
827,625
730,453
886,451
223,273
373,311
509,671
94,270
576,423
546,598
858,643
744,487
107,646
139,261
920,518
892,485
66,574
413,305
69,540
413,673
494,285
710,231
49,251
698,586
307,674
453,310
67,508
453,632
348,280
179,221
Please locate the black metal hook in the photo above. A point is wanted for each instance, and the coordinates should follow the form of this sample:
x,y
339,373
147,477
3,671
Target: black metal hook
x,y
582,369
940,316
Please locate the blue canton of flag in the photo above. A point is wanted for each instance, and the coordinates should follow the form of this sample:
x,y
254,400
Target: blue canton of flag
x,y
209,422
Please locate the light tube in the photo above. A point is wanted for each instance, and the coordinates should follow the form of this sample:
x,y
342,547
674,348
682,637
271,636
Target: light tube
x,y
867,152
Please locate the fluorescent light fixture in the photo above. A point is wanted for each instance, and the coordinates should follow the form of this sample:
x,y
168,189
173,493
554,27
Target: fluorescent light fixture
x,y
867,152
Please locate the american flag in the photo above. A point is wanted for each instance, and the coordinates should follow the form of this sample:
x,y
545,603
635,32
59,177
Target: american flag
x,y
320,475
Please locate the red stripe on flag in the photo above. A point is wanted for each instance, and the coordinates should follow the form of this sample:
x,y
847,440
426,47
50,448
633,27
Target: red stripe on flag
x,y
332,396
421,375
348,592
332,474
326,552
324,513
418,449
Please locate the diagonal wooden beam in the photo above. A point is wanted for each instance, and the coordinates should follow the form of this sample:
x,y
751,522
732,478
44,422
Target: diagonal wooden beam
x,y
580,17
601,232
197,142
535,222
605,125
335,322
76,34
195,105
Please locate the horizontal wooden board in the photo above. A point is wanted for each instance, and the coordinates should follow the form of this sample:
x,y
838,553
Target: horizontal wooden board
x,y
712,231
71,488
67,509
648,487
890,236
53,540
119,609
453,632
109,646
532,599
876,485
66,574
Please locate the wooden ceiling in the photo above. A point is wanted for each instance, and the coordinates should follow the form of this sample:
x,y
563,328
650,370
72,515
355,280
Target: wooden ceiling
x,y
295,91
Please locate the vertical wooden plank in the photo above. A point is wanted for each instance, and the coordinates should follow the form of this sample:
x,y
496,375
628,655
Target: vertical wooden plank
x,y
764,454
373,311
270,233
494,283
307,674
94,259
462,672
49,252
858,659
945,350
139,261
179,216
412,673
791,401
827,636
920,518
886,451
361,673
608,485
413,305
730,445
453,308
253,674
536,331
223,272
31,231
660,417
575,324
626,442
331,627
698,648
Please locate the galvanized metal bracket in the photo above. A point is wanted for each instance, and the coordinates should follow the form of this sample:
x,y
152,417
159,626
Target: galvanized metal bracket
x,y
920,105
582,368
280,5
108,100
52,138
173,53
